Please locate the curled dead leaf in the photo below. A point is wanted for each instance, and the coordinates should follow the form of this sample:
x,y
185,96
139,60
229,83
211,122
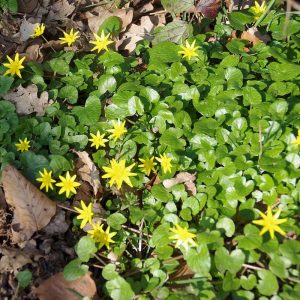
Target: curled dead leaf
x,y
184,177
254,36
33,210
58,288
27,100
208,8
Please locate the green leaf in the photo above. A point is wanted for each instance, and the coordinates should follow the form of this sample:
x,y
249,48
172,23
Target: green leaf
x,y
236,46
171,138
177,6
161,193
119,289
291,250
283,72
69,92
267,285
112,25
59,66
234,78
227,224
238,19
58,164
230,283
74,270
199,260
248,283
24,278
115,220
86,248
5,84
231,262
251,96
109,272
176,31
90,113
278,265
165,52
106,83
251,238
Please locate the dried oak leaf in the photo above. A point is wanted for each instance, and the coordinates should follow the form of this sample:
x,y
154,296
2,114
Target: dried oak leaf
x,y
184,177
58,288
32,209
208,8
60,10
27,100
88,172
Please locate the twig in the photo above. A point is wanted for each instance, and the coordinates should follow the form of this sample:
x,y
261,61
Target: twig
x,y
260,142
140,237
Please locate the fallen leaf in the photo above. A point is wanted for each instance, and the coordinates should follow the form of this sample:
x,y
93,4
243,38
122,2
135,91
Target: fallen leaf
x,y
208,8
27,6
88,172
33,53
254,36
100,13
13,259
27,100
32,209
184,177
58,224
60,10
238,4
58,288
26,30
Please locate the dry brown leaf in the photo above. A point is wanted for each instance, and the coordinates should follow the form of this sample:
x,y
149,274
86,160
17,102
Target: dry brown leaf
x,y
254,36
33,53
13,259
58,224
32,209
184,177
58,288
27,100
103,13
26,30
88,172
27,6
60,10
208,8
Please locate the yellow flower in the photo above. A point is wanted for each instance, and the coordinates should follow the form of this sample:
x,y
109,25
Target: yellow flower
x,y
38,30
46,180
297,140
67,184
97,140
258,10
101,42
23,145
270,222
188,50
14,66
165,163
104,238
183,236
85,213
118,130
118,173
148,165
69,38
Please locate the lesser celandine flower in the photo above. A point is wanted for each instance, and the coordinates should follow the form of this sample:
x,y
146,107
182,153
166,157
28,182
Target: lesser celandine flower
x,y
14,65
165,162
23,145
97,140
67,184
258,10
46,180
118,130
85,213
297,140
189,50
69,38
118,172
183,237
270,222
148,165
101,237
38,30
101,42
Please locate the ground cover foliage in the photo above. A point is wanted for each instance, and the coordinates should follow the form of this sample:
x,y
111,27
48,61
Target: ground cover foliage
x,y
221,129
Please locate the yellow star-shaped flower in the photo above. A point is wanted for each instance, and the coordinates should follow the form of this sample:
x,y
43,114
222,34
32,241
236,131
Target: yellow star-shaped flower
x,y
85,214
297,140
118,172
188,50
67,184
97,140
148,165
258,10
183,236
104,238
270,222
38,30
69,38
14,66
23,145
118,130
46,180
101,42
165,162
